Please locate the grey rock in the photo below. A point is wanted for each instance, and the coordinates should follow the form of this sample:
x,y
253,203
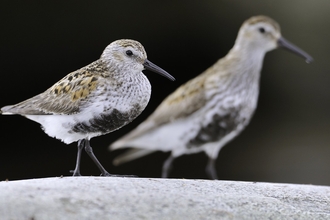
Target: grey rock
x,y
143,198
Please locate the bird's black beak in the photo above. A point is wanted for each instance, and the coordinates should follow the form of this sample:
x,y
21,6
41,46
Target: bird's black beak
x,y
282,42
154,68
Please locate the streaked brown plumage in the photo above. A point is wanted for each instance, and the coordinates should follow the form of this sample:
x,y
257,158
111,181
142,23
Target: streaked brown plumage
x,y
94,100
208,111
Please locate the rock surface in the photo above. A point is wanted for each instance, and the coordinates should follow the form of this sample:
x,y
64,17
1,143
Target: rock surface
x,y
143,198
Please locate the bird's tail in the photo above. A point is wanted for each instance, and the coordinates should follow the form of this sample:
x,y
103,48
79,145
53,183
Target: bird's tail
x,y
4,110
131,154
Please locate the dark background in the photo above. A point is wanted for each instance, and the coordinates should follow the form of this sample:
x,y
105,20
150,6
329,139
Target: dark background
x,y
288,139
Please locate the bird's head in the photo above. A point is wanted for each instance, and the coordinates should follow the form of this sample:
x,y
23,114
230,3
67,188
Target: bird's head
x,y
264,34
130,55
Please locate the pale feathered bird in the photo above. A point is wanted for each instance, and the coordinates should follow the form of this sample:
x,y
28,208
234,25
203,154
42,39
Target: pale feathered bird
x,y
210,110
94,100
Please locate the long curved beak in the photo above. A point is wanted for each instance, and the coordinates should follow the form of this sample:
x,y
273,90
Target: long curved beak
x,y
282,42
154,68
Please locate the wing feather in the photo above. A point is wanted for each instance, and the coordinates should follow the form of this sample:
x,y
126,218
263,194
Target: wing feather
x,y
66,97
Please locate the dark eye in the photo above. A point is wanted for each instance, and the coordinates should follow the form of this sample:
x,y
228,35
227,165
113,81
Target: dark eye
x,y
129,52
262,30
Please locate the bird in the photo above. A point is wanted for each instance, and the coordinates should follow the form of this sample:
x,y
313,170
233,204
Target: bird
x,y
94,100
210,110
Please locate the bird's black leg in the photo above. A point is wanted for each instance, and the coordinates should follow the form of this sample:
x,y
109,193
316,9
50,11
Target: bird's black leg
x,y
167,166
76,171
89,151
210,169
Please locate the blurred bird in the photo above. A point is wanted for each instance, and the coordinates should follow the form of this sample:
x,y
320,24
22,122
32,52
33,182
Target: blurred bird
x,y
210,110
94,100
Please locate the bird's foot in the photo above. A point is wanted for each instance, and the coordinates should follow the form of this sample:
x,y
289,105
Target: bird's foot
x,y
75,173
115,175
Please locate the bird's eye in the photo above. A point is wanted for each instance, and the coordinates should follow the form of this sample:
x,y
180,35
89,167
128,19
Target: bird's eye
x,y
129,52
262,30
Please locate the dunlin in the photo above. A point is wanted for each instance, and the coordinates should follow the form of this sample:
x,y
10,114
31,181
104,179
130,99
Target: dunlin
x,y
210,110
94,100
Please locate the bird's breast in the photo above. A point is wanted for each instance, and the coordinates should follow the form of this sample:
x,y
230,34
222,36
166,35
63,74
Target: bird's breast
x,y
107,121
224,114
112,107
131,91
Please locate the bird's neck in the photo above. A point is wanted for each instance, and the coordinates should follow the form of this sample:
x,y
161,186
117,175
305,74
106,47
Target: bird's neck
x,y
248,53
115,71
243,65
247,59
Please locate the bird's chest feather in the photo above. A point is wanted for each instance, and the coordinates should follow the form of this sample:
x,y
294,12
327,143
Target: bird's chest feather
x,y
223,115
111,108
218,125
106,121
